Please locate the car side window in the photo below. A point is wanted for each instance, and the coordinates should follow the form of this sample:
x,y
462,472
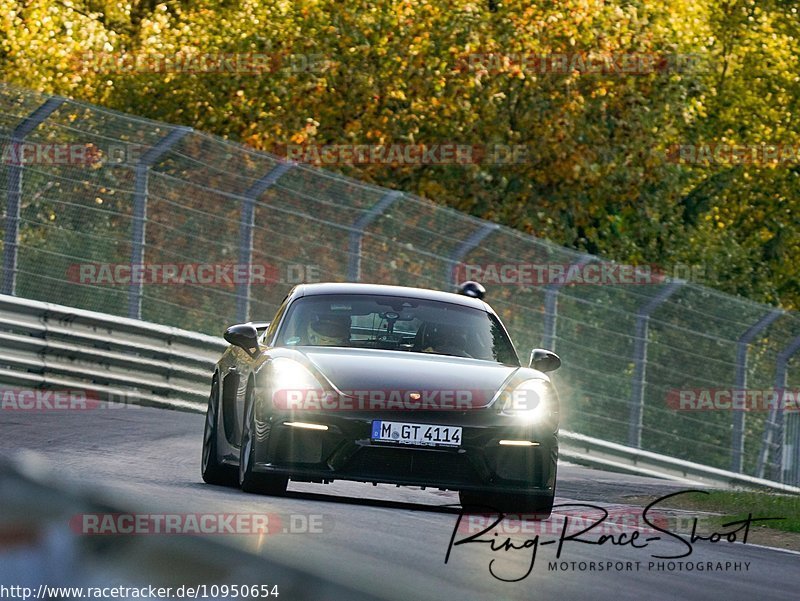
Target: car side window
x,y
269,335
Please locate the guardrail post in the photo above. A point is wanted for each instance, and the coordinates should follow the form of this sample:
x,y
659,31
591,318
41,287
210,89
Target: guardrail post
x,y
551,306
140,212
640,361
774,428
467,245
15,169
246,225
737,439
357,233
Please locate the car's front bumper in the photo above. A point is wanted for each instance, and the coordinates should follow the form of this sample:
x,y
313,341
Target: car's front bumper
x,y
345,451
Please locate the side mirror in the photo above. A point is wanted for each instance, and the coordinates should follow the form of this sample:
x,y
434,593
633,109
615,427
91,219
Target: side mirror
x,y
243,335
544,360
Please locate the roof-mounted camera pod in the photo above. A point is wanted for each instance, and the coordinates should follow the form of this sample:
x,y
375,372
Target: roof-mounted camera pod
x,y
472,289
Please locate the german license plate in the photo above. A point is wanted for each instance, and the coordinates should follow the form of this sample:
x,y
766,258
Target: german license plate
x,y
416,434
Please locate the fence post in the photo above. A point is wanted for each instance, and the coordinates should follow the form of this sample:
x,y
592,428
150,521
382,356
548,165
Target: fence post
x,y
462,249
775,422
246,225
791,467
640,361
357,233
737,439
140,213
15,168
551,306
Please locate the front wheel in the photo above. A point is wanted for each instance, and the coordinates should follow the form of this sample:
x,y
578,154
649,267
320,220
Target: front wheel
x,y
250,481
211,469
538,507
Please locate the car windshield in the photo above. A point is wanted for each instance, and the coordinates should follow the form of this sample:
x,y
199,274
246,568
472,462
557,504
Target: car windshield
x,y
396,323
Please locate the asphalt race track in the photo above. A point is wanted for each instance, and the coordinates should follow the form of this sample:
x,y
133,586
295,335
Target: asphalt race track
x,y
391,542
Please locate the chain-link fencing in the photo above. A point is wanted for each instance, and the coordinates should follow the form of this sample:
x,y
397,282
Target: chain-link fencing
x,y
114,213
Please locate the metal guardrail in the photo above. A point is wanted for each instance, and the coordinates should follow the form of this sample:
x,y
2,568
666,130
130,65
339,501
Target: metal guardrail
x,y
45,345
593,452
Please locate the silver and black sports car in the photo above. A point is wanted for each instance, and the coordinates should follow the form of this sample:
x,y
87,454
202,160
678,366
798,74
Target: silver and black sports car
x,y
384,384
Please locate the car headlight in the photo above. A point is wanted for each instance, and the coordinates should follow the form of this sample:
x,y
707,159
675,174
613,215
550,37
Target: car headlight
x,y
531,401
293,386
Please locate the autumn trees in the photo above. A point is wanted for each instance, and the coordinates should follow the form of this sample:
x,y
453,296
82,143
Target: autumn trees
x,y
599,173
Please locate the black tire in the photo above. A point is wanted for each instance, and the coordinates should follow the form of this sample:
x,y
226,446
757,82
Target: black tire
x,y
538,507
211,469
250,481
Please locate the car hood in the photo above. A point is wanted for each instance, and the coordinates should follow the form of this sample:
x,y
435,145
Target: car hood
x,y
353,371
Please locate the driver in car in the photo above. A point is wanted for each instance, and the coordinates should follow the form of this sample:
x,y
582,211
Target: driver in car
x,y
329,330
444,340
